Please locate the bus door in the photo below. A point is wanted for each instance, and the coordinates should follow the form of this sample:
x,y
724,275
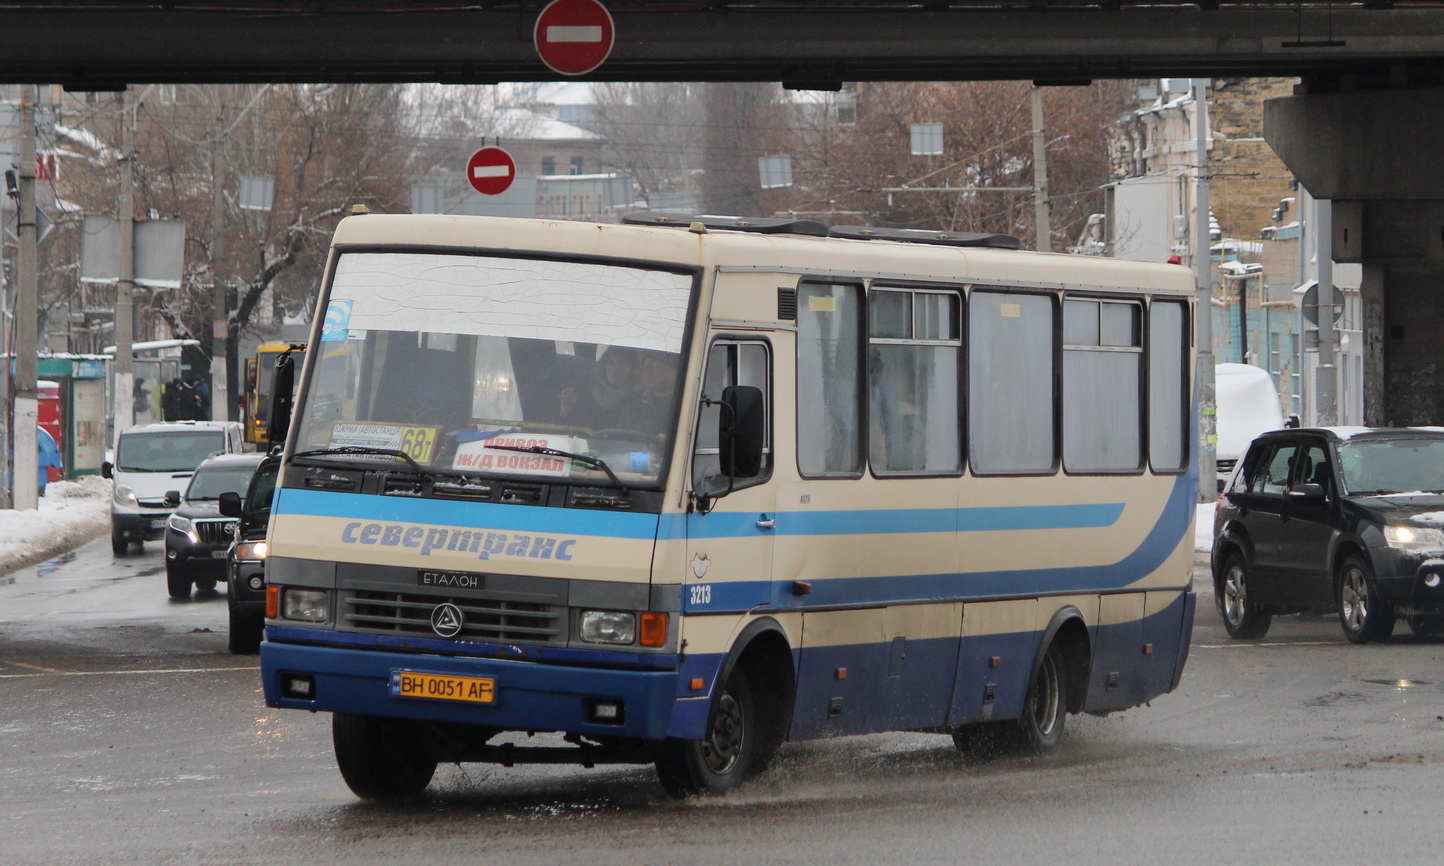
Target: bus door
x,y
731,524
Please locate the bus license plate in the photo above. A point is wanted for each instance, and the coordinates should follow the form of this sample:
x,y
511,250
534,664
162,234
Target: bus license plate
x,y
476,690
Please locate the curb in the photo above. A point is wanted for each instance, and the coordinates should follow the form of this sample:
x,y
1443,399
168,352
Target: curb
x,y
67,540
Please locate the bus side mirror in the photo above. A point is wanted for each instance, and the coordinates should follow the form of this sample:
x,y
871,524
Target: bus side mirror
x,y
230,504
279,420
107,469
741,431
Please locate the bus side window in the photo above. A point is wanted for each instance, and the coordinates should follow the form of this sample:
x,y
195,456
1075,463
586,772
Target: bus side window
x,y
730,363
829,380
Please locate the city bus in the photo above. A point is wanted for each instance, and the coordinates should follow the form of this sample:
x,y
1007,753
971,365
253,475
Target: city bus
x,y
260,374
680,490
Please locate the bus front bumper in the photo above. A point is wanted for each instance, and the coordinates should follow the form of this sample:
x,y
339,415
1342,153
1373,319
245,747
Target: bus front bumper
x,y
526,696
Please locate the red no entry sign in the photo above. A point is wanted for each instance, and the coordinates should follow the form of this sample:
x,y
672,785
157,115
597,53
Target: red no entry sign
x,y
490,171
573,37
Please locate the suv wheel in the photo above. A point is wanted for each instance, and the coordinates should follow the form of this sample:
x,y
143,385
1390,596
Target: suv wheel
x,y
1364,616
177,582
1426,625
245,632
1243,618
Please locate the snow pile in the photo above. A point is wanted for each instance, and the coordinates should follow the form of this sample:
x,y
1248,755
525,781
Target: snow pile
x,y
70,513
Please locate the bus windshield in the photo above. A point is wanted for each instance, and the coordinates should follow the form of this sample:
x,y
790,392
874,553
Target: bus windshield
x,y
500,366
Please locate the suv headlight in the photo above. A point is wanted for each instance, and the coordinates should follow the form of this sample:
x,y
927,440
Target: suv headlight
x,y
125,495
178,523
608,626
1414,537
252,550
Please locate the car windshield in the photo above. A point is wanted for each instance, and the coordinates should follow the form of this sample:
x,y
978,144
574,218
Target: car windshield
x,y
1375,466
167,451
263,486
210,482
499,366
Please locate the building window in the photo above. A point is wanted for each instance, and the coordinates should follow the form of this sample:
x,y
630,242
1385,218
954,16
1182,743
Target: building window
x,y
548,165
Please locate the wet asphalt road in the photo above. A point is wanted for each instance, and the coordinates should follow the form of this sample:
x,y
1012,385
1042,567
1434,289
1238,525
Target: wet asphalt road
x,y
129,735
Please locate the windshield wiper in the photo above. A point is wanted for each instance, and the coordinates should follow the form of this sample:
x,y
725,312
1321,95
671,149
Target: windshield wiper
x,y
363,450
594,462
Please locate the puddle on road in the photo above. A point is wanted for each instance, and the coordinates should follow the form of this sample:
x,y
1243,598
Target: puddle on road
x,y
48,567
1400,684
38,571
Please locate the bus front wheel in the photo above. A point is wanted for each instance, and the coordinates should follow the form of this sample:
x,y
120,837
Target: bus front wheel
x,y
380,759
719,762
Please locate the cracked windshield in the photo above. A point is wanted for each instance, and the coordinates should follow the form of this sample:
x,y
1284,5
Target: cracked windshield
x,y
500,366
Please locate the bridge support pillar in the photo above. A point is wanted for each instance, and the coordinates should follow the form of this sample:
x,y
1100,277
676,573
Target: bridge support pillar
x,y
1375,154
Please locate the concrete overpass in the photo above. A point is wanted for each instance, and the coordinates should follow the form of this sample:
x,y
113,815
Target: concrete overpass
x,y
99,43
1362,130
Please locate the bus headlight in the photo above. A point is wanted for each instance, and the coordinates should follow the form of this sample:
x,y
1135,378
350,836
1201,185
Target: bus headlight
x,y
608,626
304,605
1414,537
125,495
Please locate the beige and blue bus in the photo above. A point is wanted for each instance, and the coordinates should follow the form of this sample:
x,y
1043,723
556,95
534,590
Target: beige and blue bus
x,y
679,490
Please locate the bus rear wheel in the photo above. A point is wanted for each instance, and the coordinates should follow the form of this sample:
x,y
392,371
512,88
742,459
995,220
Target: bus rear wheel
x,y
1038,731
380,759
719,762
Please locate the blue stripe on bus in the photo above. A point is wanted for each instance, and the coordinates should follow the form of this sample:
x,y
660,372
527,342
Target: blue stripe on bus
x,y
903,521
439,512
354,506
1162,540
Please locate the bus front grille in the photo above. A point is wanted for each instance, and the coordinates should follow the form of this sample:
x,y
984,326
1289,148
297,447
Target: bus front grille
x,y
483,619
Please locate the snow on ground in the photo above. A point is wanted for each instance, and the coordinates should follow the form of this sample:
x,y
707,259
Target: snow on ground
x,y
1203,528
70,514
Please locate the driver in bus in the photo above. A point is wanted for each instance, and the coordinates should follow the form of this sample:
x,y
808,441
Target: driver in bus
x,y
651,408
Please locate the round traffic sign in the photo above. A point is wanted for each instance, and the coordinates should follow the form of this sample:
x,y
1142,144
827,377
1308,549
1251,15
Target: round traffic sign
x,y
490,171
573,37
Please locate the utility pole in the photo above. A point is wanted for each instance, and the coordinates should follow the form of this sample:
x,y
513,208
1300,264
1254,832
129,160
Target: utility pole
x,y
25,479
1326,402
221,401
1041,204
123,397
1203,329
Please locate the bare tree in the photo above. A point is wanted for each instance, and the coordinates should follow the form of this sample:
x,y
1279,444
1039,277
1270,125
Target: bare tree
x,y
325,148
745,120
654,133
987,128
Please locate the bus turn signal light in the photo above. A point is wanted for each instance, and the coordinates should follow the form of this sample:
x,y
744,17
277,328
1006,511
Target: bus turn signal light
x,y
654,629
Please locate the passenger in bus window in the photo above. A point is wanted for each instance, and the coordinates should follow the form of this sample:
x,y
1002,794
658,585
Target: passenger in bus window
x,y
613,388
653,405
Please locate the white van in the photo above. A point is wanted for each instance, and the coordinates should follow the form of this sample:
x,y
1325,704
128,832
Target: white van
x,y
1248,405
150,461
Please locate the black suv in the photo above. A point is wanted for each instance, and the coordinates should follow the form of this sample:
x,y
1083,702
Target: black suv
x,y
197,536
246,563
1348,519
